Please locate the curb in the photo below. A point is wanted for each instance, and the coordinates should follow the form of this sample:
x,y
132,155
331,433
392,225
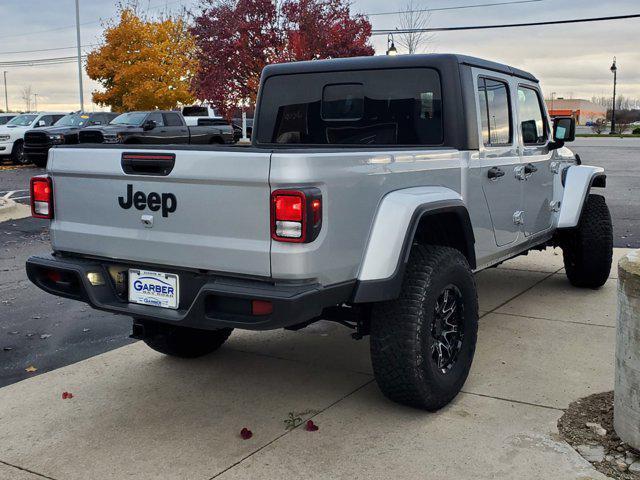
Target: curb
x,y
11,210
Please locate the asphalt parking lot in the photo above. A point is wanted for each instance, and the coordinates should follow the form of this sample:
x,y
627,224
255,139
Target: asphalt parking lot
x,y
37,329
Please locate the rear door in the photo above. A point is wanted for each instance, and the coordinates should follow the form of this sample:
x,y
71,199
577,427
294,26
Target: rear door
x,y
499,155
536,159
214,216
175,128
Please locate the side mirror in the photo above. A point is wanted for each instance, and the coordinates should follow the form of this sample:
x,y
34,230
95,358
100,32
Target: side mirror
x,y
149,125
564,130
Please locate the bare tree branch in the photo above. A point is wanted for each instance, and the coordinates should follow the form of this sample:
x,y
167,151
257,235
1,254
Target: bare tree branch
x,y
26,96
414,17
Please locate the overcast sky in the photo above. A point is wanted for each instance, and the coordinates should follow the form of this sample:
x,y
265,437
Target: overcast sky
x,y
571,60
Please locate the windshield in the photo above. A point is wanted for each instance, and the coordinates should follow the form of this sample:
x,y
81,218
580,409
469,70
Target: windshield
x,y
73,120
22,120
132,118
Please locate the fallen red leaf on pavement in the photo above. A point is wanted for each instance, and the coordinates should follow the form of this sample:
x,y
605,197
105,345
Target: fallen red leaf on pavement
x,y
311,427
66,395
246,434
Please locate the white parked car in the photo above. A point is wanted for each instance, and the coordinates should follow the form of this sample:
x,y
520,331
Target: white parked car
x,y
12,134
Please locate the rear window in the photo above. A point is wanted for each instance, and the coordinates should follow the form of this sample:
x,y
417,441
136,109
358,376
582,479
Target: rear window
x,y
369,107
195,112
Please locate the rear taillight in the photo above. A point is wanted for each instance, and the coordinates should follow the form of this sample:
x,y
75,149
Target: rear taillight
x,y
41,197
296,215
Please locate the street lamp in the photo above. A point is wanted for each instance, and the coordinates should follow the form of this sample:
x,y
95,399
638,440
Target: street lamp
x,y
614,70
391,48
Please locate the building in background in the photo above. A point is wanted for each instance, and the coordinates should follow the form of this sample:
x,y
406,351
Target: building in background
x,y
584,111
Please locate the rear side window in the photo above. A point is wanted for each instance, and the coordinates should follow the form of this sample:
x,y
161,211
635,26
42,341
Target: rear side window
x,y
531,117
369,107
495,112
172,120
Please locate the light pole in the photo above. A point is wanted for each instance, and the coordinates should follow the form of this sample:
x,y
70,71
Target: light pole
x,y
614,70
391,48
79,54
6,95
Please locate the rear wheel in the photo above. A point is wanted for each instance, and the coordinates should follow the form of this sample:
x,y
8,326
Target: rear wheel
x,y
17,155
588,249
422,343
182,342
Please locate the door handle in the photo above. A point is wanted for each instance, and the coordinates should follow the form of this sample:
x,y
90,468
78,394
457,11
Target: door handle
x,y
494,173
530,168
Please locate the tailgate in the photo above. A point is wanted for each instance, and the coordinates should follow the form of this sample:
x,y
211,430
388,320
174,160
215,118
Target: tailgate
x,y
211,211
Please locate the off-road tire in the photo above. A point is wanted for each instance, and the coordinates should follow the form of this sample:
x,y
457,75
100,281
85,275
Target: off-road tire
x,y
401,330
17,154
588,249
183,342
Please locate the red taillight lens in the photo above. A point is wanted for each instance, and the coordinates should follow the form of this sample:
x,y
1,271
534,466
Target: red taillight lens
x,y
289,207
41,197
296,215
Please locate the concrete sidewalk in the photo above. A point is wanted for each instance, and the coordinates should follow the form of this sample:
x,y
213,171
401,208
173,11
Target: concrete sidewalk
x,y
137,414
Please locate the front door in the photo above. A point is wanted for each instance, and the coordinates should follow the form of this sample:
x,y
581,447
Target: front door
x,y
537,176
499,156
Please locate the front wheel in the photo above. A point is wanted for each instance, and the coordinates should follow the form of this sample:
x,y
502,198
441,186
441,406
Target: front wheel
x,y
183,342
17,155
422,343
587,249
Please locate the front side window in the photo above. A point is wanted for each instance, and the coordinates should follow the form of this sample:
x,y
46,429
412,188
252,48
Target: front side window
x,y
495,112
531,116
156,117
369,107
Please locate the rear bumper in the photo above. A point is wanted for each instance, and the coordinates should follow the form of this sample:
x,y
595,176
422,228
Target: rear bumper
x,y
206,301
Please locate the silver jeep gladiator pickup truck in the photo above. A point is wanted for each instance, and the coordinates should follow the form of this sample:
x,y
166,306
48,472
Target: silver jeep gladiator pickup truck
x,y
374,189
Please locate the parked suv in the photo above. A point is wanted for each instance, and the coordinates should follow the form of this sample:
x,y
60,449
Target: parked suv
x,y
156,127
375,189
12,134
64,132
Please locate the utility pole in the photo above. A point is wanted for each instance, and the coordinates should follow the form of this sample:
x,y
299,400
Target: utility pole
x,y
6,95
79,54
614,70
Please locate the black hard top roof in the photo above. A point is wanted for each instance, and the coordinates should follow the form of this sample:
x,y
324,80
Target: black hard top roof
x,y
391,61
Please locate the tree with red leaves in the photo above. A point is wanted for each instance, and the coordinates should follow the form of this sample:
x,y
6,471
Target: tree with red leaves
x,y
315,29
237,38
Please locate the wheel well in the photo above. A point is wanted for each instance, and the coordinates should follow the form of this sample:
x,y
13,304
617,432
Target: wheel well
x,y
450,228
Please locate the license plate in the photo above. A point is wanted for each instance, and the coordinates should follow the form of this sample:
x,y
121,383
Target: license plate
x,y
153,288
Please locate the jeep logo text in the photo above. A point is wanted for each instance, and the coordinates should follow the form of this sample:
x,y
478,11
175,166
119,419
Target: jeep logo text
x,y
154,201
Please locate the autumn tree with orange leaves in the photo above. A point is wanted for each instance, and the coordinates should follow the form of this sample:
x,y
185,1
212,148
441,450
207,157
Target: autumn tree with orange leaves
x,y
144,64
